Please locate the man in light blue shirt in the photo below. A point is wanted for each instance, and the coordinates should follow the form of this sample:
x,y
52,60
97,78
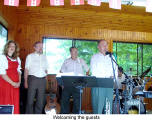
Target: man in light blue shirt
x,y
75,66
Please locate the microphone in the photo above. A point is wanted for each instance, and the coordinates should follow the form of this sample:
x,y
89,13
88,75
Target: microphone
x,y
108,53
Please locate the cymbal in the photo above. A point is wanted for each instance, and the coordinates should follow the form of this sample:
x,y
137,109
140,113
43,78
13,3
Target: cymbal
x,y
139,93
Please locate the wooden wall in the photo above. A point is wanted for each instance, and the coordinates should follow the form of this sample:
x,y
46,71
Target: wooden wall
x,y
27,34
29,24
8,17
131,24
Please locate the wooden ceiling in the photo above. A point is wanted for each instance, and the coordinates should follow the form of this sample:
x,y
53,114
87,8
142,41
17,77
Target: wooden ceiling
x,y
129,18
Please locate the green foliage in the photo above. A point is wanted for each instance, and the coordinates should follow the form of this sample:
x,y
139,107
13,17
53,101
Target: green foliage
x,y
129,54
86,49
147,59
57,50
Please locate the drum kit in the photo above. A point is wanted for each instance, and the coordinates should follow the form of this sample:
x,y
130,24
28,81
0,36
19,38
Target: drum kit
x,y
132,97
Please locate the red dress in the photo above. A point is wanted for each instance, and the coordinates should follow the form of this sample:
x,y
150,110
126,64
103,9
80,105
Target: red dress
x,y
9,94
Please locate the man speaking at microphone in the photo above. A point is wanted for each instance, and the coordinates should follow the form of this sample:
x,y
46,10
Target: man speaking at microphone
x,y
101,67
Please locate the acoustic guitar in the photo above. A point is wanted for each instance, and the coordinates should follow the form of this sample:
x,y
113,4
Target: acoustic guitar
x,y
52,106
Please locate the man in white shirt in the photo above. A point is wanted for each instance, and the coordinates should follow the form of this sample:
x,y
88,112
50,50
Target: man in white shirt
x,y
75,66
35,78
101,67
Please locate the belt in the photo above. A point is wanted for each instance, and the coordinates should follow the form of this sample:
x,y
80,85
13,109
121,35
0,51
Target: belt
x,y
36,77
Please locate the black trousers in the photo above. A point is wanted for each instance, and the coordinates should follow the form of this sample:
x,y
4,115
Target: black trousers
x,y
36,87
65,100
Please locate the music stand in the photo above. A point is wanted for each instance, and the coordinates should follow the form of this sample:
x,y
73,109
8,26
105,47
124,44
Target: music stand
x,y
74,81
81,82
59,81
86,81
104,82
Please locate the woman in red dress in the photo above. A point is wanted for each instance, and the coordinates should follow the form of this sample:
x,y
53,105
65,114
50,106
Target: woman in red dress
x,y
10,76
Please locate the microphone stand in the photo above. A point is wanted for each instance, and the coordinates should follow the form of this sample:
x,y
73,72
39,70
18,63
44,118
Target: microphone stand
x,y
117,91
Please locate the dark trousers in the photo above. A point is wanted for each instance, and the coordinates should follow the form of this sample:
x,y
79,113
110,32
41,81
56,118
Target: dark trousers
x,y
36,86
65,100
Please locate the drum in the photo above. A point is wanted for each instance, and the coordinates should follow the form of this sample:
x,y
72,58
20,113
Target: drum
x,y
132,107
136,89
137,81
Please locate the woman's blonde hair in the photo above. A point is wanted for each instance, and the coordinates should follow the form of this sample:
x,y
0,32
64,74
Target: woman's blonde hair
x,y
16,52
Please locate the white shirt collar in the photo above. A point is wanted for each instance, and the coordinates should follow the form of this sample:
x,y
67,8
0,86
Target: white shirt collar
x,y
102,54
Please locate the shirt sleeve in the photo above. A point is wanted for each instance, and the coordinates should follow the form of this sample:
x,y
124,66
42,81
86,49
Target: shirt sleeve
x,y
85,65
19,67
93,65
27,62
47,64
3,64
63,67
